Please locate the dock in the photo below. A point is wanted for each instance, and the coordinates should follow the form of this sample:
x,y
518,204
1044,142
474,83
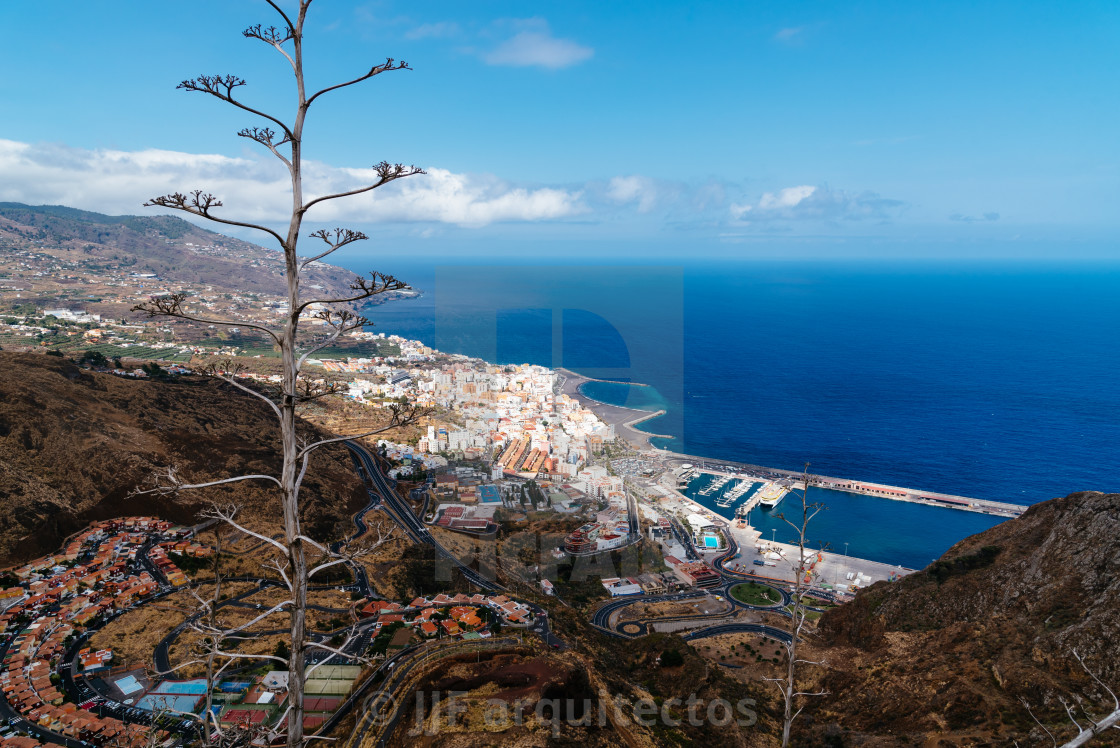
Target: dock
x,y
734,469
839,573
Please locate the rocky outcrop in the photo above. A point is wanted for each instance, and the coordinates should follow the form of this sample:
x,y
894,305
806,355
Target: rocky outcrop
x,y
955,648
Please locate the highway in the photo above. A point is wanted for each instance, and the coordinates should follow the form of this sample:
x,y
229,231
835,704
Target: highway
x,y
685,539
600,619
413,527
632,509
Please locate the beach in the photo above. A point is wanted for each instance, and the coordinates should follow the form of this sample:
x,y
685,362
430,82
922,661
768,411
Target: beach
x,y
623,419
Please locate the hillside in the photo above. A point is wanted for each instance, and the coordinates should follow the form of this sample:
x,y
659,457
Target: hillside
x,y
74,444
944,656
57,255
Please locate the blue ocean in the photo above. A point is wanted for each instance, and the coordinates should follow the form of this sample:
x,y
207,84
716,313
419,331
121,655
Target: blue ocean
x,y
995,381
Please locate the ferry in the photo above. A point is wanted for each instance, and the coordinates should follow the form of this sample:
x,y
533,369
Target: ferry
x,y
772,494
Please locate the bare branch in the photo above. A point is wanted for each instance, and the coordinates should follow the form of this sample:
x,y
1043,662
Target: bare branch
x,y
327,648
266,137
299,478
281,569
364,288
314,544
308,391
389,65
340,239
1049,734
171,305
386,173
273,38
175,485
250,390
221,87
200,204
271,35
227,513
316,569
1069,711
340,322
287,21
403,415
1101,683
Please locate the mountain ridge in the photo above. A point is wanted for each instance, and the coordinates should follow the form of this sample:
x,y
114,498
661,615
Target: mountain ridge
x,y
958,648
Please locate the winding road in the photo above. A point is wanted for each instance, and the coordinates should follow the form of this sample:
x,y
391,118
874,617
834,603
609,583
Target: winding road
x,y
601,618
402,514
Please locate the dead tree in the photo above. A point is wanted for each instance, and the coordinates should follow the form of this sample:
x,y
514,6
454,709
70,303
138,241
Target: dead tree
x,y
284,140
217,639
1096,726
787,684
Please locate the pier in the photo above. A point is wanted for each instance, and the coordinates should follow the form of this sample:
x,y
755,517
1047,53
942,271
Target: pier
x,y
569,373
619,416
733,469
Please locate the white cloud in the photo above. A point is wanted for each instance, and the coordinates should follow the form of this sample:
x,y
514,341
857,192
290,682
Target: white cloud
x,y
258,190
789,197
634,189
810,202
536,47
471,200
440,30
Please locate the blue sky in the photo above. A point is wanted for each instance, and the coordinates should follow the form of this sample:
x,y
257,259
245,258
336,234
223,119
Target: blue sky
x,y
723,128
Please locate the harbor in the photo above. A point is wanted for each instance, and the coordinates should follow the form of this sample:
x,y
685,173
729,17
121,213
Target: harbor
x,y
749,554
744,471
625,419
907,531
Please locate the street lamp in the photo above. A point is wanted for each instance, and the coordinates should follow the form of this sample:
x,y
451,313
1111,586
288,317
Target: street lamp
x,y
845,549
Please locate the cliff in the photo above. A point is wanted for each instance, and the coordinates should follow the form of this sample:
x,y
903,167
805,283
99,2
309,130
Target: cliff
x,y
953,651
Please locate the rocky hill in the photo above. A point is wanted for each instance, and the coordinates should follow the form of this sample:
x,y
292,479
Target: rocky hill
x,y
51,254
74,444
949,655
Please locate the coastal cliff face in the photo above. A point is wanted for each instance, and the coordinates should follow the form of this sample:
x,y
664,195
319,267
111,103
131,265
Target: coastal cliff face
x,y
948,653
74,444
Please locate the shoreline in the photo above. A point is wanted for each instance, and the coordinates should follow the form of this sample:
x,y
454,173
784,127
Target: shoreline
x,y
622,418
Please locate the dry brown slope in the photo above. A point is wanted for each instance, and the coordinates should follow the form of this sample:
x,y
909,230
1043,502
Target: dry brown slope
x,y
74,444
949,651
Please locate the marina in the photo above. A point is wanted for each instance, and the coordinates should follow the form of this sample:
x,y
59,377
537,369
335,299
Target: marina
x,y
736,493
792,480
889,532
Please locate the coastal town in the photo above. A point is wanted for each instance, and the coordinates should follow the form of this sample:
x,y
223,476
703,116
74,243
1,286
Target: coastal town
x,y
95,637
446,375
